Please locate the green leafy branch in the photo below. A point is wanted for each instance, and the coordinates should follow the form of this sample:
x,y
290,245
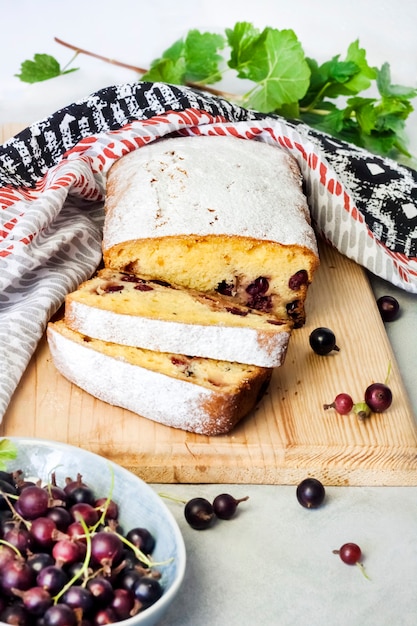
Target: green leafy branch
x,y
280,79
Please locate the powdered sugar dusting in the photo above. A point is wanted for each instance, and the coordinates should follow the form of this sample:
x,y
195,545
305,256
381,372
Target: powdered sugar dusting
x,y
244,345
151,394
208,185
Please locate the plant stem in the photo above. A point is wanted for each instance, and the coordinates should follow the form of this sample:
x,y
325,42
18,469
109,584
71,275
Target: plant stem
x,y
319,96
84,569
72,59
361,567
10,545
141,70
99,56
169,497
316,111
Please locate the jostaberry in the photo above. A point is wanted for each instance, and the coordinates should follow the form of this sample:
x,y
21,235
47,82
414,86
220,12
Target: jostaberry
x,y
388,307
199,513
225,505
378,397
342,404
351,554
310,493
323,341
66,556
33,502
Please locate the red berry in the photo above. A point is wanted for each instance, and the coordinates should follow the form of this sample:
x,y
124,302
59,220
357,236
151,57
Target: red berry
x,y
343,404
350,553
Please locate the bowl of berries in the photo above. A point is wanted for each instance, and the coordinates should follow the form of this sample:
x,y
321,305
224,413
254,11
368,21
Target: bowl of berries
x,y
82,540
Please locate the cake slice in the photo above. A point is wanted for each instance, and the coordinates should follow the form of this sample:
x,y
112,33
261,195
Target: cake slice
x,y
217,214
203,396
131,310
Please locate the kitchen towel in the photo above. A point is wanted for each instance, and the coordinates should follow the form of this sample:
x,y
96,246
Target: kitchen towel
x,y
53,180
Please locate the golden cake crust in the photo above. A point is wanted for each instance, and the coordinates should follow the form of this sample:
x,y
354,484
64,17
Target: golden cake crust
x,y
215,214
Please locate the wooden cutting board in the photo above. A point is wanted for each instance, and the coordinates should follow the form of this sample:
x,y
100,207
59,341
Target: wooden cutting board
x,y
288,437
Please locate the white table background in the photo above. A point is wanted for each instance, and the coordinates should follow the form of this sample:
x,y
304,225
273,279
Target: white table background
x,y
273,563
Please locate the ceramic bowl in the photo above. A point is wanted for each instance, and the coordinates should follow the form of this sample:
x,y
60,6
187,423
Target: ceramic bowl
x,y
139,505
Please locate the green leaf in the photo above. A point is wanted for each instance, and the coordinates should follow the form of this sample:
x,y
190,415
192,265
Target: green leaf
x,y
330,120
166,70
386,89
193,59
365,122
243,40
202,56
336,78
170,67
388,144
8,452
364,75
274,60
364,111
43,67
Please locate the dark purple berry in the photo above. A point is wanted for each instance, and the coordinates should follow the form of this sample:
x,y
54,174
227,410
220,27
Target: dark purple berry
x,y
142,539
298,279
112,288
225,505
310,493
33,502
143,287
17,615
388,307
59,615
378,397
225,288
147,590
258,287
199,513
323,341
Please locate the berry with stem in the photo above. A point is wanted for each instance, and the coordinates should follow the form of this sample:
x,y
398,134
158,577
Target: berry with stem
x,y
351,554
199,513
59,564
36,600
225,505
16,575
33,502
342,404
310,493
378,397
323,341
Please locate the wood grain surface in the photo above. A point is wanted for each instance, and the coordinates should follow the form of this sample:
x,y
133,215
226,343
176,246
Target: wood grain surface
x,y
288,437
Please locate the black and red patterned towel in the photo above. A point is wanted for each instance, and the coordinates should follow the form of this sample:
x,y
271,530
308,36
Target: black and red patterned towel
x,y
52,186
